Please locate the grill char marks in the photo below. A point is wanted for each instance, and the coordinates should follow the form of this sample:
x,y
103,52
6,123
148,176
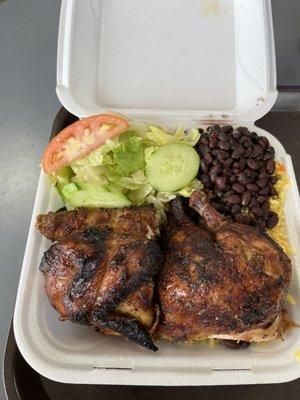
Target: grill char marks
x,y
135,221
220,280
127,327
90,273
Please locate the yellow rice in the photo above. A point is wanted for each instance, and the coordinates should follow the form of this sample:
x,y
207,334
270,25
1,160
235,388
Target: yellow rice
x,y
279,233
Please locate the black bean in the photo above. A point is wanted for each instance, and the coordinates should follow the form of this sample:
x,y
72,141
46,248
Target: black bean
x,y
252,187
246,198
213,173
248,144
238,152
235,209
236,164
204,149
261,143
208,158
243,163
220,208
224,145
253,202
222,155
263,175
253,164
204,166
218,192
234,199
271,150
243,130
204,179
234,145
248,153
261,199
257,152
214,130
235,345
208,185
228,162
250,173
226,128
267,157
227,172
227,208
237,187
243,178
274,180
273,191
236,171
270,167
216,205
265,206
265,141
254,135
204,140
229,192
257,211
243,344
244,139
237,135
272,220
213,143
264,190
262,182
200,130
210,195
214,152
221,182
223,137
233,179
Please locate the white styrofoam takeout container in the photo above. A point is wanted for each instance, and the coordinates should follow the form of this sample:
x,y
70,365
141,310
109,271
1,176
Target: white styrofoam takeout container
x,y
179,61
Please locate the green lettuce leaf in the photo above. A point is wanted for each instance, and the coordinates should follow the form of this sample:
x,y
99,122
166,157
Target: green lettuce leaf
x,y
128,157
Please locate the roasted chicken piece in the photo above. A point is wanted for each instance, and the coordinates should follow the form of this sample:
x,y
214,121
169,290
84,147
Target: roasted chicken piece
x,y
220,279
101,276
134,221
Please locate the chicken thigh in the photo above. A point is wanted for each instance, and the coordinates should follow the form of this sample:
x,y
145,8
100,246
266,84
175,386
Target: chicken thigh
x,y
98,275
220,279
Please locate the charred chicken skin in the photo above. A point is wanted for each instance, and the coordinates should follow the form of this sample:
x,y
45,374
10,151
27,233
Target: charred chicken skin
x,y
98,274
133,221
220,279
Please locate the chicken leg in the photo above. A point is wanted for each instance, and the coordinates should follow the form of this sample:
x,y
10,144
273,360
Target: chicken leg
x,y
220,279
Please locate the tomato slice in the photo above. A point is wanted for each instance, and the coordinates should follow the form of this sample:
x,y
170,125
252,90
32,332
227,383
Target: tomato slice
x,y
80,139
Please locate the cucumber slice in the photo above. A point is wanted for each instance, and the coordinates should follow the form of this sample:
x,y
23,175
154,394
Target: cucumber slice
x,y
92,198
172,167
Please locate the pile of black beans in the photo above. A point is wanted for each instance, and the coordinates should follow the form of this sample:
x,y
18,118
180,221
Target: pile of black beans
x,y
237,171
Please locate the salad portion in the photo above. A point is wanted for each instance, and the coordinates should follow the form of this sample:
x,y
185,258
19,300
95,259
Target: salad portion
x,y
103,161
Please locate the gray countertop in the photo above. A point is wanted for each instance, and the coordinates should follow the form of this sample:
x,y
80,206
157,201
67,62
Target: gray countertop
x,y
28,105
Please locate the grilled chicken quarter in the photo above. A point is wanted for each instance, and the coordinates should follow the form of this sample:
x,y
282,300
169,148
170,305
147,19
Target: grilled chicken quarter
x,y
220,279
100,270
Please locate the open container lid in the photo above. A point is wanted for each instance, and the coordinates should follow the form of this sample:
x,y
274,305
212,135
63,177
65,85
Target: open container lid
x,y
162,60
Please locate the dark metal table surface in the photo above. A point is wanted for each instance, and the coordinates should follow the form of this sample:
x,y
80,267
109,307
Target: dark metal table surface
x,y
22,382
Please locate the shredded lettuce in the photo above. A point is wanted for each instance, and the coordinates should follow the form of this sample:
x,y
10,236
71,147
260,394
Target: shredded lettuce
x,y
128,157
119,166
